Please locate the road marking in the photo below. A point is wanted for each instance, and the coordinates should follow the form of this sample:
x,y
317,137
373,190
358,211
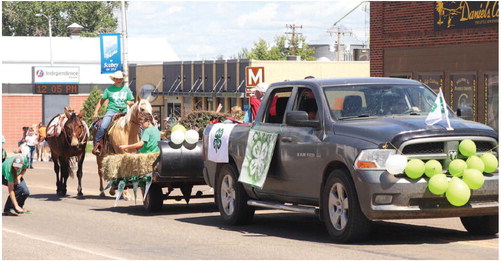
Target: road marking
x,y
480,244
62,244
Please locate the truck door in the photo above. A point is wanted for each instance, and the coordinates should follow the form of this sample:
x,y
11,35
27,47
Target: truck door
x,y
300,149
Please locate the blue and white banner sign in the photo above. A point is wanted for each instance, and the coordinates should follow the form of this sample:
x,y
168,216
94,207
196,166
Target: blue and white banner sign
x,y
111,53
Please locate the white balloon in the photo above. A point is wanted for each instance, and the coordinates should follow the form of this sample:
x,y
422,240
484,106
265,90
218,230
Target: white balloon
x,y
192,136
395,164
177,137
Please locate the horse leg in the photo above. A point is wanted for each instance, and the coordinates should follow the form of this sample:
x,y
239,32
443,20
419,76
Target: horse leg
x,y
100,173
80,174
56,169
65,167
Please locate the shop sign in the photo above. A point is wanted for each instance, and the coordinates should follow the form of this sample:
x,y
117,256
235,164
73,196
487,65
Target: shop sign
x,y
465,14
432,80
463,91
42,74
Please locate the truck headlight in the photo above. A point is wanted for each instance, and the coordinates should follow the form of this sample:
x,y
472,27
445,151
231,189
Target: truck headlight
x,y
373,159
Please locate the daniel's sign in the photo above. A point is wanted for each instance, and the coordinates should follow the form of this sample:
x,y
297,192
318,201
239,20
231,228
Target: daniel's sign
x,y
56,74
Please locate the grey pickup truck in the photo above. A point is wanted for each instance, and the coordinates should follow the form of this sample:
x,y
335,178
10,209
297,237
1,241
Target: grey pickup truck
x,y
333,139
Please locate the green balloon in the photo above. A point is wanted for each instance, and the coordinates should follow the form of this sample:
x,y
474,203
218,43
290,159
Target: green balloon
x,y
414,168
490,162
438,184
432,167
473,178
474,162
456,167
467,148
458,193
178,127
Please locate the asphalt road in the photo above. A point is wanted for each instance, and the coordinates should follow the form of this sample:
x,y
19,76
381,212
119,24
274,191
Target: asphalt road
x,y
91,228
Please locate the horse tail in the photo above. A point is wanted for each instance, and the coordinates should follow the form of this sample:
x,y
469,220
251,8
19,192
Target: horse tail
x,y
73,166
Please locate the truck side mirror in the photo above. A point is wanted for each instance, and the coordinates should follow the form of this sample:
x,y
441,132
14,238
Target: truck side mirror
x,y
300,119
465,113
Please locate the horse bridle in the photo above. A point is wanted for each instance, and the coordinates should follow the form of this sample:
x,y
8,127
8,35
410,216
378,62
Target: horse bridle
x,y
83,134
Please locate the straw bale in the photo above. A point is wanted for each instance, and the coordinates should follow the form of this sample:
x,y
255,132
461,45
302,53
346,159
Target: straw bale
x,y
136,164
111,165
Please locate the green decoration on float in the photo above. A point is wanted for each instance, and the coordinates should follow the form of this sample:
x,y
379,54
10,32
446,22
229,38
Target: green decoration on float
x,y
432,167
456,167
458,193
438,184
414,168
474,162
473,178
467,148
490,162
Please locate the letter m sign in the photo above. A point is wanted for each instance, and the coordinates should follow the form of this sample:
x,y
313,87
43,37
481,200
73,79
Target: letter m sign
x,y
254,75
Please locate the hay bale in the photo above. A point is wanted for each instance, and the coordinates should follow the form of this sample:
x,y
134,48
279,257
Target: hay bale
x,y
111,165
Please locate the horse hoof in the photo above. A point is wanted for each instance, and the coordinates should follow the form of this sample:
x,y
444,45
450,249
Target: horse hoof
x,y
102,194
80,196
112,192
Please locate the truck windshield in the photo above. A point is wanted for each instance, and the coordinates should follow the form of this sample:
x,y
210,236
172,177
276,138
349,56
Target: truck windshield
x,y
378,100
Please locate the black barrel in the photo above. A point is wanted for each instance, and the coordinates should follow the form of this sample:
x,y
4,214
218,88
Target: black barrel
x,y
183,161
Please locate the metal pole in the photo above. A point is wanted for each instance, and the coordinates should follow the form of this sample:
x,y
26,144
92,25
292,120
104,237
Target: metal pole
x,y
50,38
124,40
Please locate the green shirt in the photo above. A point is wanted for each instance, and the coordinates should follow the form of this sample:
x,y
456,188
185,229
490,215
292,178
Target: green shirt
x,y
150,137
118,97
7,169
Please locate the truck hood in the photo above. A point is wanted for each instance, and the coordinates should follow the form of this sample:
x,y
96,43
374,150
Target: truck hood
x,y
397,129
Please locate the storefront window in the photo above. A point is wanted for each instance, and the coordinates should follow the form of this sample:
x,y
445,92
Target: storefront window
x,y
463,90
433,80
492,90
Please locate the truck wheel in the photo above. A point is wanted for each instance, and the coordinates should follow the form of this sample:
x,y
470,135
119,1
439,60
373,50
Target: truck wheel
x,y
231,198
481,225
154,199
341,211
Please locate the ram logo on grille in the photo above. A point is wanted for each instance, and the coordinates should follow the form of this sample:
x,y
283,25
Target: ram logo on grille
x,y
452,154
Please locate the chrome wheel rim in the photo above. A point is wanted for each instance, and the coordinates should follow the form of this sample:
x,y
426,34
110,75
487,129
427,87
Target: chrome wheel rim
x,y
228,195
338,206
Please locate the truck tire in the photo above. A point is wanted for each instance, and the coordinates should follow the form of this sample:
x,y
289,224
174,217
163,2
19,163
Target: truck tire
x,y
481,225
154,199
341,211
231,198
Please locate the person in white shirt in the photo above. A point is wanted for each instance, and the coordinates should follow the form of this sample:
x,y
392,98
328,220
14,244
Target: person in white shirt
x,y
31,142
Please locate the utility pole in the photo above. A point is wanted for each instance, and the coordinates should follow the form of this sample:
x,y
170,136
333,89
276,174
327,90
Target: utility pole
x,y
125,68
339,31
293,33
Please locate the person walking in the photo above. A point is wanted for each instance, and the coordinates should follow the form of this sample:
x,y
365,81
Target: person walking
x,y
13,170
119,96
31,142
149,138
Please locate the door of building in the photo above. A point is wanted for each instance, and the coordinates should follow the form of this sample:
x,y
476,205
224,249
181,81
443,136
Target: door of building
x,y
52,105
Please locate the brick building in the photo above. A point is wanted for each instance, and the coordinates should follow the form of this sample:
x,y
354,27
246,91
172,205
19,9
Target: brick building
x,y
448,45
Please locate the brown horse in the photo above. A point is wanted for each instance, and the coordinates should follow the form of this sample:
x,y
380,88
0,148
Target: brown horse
x,y
67,138
124,130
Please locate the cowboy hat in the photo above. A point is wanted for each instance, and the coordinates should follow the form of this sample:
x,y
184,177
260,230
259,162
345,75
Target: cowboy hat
x,y
117,75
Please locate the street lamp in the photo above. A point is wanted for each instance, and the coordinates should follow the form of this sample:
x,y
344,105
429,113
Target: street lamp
x,y
49,18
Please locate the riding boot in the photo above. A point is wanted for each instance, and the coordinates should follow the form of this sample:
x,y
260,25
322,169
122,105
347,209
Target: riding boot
x,y
97,148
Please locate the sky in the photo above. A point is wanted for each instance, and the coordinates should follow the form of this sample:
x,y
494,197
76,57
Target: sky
x,y
198,30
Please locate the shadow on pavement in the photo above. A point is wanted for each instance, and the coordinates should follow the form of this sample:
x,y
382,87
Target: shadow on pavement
x,y
54,197
306,227
168,209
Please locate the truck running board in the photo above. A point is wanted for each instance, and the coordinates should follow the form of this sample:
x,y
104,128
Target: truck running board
x,y
300,209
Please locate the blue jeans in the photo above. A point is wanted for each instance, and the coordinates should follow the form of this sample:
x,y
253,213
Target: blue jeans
x,y
104,125
31,155
22,192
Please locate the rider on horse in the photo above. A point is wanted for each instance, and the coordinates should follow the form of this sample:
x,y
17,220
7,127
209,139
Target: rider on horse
x,y
118,96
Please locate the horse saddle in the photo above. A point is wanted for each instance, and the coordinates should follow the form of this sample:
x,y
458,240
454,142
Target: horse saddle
x,y
105,141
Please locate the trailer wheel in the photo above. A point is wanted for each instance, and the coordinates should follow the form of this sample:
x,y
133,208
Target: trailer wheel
x,y
341,211
481,225
231,198
154,199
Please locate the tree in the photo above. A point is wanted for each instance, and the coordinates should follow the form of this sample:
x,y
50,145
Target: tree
x,y
89,106
18,17
279,51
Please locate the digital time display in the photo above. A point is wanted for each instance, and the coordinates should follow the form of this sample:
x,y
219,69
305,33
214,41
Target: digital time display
x,y
55,89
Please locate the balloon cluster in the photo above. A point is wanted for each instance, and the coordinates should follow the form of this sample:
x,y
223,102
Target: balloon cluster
x,y
179,134
466,175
